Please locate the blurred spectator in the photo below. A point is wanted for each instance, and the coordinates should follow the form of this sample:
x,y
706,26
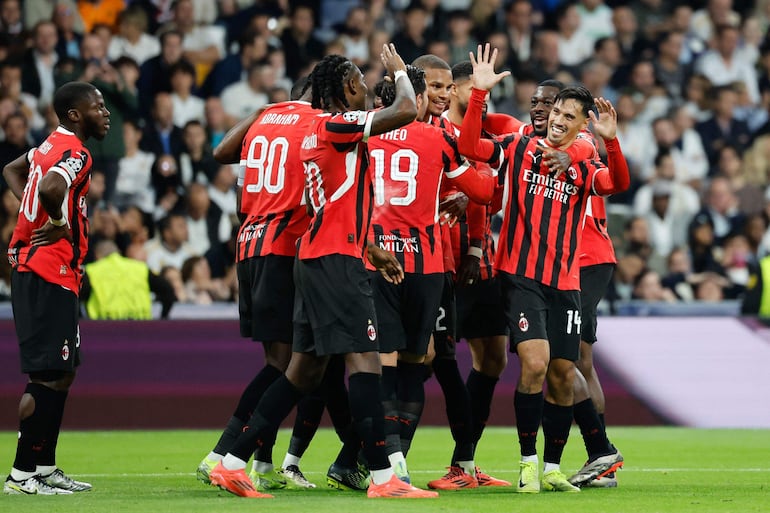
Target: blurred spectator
x,y
595,76
546,64
754,115
299,44
129,297
222,192
711,289
628,268
756,226
39,62
9,211
196,163
252,49
651,16
518,25
667,230
410,40
186,106
277,61
730,165
575,46
354,35
25,103
690,161
461,38
174,277
206,224
595,19
696,96
203,45
69,38
669,70
626,26
679,274
436,26
705,22
167,183
700,240
11,21
154,76
636,139
721,208
735,261
650,95
134,182
161,136
518,104
95,12
636,237
200,287
36,11
723,127
647,287
15,142
132,39
171,246
693,46
725,63
244,97
216,120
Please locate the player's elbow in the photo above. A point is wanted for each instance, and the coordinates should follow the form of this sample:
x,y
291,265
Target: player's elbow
x,y
405,111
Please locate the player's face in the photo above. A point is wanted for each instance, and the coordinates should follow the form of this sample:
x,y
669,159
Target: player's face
x,y
357,93
540,107
95,116
461,94
565,122
439,87
422,105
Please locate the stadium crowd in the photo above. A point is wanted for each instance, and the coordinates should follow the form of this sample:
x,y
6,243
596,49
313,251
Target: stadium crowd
x,y
691,83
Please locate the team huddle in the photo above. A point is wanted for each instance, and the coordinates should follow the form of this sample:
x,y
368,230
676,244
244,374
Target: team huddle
x,y
365,245
381,219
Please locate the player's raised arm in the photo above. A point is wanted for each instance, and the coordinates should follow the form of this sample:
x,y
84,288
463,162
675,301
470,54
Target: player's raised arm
x,y
616,178
404,107
484,78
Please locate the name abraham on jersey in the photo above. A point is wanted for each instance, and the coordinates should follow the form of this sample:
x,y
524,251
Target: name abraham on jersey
x,y
397,244
279,119
550,187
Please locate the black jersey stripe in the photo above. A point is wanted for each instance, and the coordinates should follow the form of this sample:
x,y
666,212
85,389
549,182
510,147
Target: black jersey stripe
x,y
282,224
543,230
513,193
398,254
419,264
79,225
559,242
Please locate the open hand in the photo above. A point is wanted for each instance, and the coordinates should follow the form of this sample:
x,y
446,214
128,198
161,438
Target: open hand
x,y
386,263
391,59
484,76
606,123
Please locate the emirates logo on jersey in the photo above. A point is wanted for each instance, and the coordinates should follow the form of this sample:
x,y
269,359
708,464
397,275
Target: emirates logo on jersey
x,y
371,331
523,323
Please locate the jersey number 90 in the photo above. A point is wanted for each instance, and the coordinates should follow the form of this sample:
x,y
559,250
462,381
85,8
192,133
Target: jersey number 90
x,y
265,164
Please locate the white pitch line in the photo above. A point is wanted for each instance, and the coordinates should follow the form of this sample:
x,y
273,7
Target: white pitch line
x,y
494,471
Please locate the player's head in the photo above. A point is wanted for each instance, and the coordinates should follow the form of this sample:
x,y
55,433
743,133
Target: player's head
x,y
461,87
386,90
438,80
300,91
80,108
336,84
541,104
569,115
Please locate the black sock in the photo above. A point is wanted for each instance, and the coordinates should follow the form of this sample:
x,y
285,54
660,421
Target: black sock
x,y
248,401
368,417
557,421
591,428
481,389
411,401
309,412
458,407
389,391
529,412
34,431
601,419
338,406
47,456
275,405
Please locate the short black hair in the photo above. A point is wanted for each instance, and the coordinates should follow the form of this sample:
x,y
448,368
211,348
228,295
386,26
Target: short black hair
x,y
326,82
430,61
462,70
386,89
580,94
558,84
70,96
182,66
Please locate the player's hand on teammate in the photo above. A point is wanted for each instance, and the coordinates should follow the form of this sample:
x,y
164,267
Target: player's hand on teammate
x,y
391,60
606,122
469,271
49,233
386,263
484,76
556,161
452,208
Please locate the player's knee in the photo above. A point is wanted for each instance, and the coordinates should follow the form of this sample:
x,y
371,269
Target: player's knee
x,y
56,379
278,355
494,365
534,368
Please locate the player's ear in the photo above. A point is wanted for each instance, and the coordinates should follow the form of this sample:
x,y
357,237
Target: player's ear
x,y
74,115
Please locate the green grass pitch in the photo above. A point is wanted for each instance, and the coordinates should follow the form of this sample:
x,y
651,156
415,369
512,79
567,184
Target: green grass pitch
x,y
667,470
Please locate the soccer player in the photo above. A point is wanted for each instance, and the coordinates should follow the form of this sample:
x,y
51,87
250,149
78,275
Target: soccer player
x,y
538,259
334,312
408,165
46,251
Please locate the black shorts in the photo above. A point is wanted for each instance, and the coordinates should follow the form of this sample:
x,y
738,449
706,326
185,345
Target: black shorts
x,y
266,298
480,310
333,307
46,319
594,280
535,311
445,329
406,313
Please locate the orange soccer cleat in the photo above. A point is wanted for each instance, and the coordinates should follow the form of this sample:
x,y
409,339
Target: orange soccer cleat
x,y
397,489
235,482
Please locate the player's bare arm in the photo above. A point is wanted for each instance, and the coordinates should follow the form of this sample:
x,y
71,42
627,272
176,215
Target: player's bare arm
x,y
51,192
386,263
15,174
228,151
404,108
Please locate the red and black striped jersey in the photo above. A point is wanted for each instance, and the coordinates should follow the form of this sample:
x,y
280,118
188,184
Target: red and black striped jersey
x,y
272,197
60,263
407,166
543,213
596,246
338,185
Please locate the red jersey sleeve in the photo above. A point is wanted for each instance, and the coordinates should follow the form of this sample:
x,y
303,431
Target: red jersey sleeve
x,y
476,217
582,149
470,142
498,124
478,186
72,164
349,127
615,178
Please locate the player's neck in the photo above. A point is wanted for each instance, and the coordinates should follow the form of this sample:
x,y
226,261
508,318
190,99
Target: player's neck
x,y
455,116
74,129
